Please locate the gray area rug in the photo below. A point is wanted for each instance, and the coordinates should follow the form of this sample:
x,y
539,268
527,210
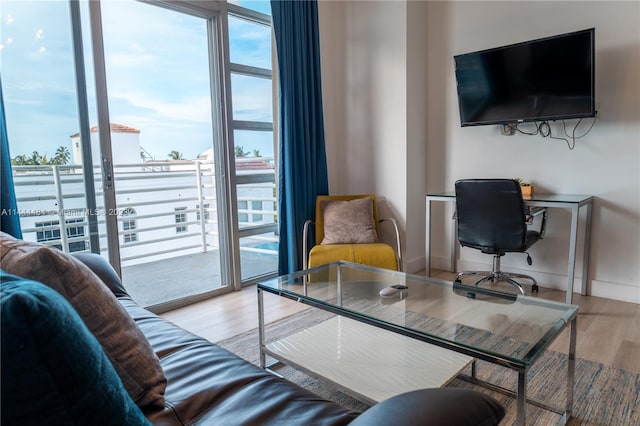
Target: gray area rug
x,y
603,395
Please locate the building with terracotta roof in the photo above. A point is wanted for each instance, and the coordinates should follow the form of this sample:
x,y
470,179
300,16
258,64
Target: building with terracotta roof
x,y
125,145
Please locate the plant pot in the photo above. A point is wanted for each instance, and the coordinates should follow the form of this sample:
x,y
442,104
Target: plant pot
x,y
527,190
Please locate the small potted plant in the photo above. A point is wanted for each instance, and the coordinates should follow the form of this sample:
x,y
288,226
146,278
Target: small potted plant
x,y
527,188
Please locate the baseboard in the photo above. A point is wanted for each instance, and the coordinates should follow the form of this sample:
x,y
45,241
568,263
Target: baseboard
x,y
607,290
442,262
414,265
615,291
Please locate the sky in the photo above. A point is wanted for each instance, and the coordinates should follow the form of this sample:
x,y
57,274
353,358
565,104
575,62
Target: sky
x,y
157,76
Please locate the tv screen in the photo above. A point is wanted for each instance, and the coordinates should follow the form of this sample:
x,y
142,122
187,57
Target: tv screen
x,y
539,80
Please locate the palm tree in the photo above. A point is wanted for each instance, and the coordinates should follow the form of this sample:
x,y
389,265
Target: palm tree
x,y
176,155
62,156
256,153
240,153
145,156
37,159
20,160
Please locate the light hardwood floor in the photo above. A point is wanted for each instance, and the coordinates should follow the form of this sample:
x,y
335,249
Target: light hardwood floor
x,y
608,330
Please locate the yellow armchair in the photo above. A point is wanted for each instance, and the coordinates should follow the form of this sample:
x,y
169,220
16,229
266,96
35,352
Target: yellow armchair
x,y
346,229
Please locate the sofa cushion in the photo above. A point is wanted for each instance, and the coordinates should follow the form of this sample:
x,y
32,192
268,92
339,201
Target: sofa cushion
x,y
123,342
377,254
54,371
347,222
438,406
209,385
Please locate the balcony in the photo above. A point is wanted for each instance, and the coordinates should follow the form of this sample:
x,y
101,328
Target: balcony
x,y
167,212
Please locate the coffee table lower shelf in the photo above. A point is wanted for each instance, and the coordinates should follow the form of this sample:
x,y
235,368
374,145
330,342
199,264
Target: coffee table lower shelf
x,y
369,363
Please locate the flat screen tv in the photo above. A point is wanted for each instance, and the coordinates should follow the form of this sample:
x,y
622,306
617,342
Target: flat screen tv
x,y
546,79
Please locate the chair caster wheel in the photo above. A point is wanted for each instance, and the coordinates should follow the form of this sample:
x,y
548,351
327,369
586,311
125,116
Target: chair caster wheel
x,y
534,288
457,280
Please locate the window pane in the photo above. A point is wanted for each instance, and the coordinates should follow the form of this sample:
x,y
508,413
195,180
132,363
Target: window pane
x,y
38,77
256,206
242,211
262,6
255,143
158,79
256,191
249,43
251,98
181,218
259,255
40,100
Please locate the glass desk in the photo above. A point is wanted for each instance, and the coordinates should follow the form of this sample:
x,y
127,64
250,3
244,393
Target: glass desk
x,y
571,202
512,331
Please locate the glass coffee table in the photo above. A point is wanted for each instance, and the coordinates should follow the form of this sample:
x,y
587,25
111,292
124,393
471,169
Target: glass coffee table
x,y
422,335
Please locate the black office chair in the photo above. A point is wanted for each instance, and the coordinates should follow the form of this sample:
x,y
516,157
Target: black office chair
x,y
493,218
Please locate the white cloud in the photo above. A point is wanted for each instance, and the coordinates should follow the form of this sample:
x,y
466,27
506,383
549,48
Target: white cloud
x,y
157,71
129,60
193,109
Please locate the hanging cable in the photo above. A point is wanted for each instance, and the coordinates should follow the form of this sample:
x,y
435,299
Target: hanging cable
x,y
543,129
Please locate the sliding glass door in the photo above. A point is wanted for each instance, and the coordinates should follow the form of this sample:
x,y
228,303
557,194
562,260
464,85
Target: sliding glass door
x,y
142,166
167,150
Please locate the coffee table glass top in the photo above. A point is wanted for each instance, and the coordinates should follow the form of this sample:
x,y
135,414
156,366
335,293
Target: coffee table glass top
x,y
488,325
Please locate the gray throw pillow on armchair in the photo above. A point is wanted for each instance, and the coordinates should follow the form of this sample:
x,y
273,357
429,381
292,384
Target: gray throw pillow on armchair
x,y
349,222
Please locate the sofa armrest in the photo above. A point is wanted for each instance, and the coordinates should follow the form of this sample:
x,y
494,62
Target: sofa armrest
x,y
439,406
101,267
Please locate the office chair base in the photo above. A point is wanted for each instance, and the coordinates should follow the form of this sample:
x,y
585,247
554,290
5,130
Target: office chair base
x,y
496,276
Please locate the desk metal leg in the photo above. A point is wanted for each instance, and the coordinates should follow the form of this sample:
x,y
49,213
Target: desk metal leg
x,y
587,248
573,239
427,248
263,359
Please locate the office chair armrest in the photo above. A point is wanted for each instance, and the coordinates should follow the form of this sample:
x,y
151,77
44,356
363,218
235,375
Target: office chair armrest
x,y
398,249
531,212
537,211
305,243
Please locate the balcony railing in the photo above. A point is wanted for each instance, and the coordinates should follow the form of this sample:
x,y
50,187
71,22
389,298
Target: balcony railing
x,y
157,203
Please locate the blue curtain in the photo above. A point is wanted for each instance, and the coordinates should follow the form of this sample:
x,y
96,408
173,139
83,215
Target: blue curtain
x,y
8,208
303,159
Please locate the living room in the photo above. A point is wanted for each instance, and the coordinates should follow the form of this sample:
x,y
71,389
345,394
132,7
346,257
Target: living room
x,y
392,128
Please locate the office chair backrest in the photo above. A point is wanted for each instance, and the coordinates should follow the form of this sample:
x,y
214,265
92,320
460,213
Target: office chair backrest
x,y
491,215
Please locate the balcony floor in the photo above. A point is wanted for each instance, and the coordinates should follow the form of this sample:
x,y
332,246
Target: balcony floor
x,y
164,280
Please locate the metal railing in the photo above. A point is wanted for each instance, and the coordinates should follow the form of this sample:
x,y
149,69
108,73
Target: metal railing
x,y
157,203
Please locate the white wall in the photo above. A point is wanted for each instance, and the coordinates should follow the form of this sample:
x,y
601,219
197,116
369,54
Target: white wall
x,y
125,148
605,163
375,122
369,113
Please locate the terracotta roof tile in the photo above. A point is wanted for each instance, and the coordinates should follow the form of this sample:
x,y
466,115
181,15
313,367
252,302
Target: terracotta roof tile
x,y
118,128
115,128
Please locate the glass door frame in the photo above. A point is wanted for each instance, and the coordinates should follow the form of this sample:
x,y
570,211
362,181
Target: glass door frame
x,y
220,83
